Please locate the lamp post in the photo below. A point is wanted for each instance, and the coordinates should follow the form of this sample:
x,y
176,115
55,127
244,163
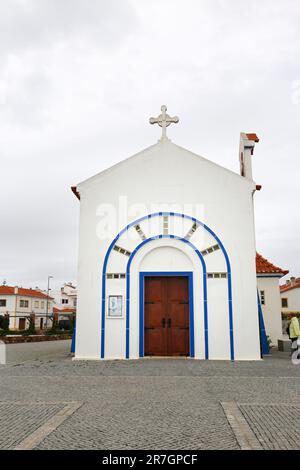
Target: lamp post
x,y
48,289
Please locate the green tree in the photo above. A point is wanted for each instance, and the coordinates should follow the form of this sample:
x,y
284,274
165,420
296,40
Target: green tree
x,y
31,327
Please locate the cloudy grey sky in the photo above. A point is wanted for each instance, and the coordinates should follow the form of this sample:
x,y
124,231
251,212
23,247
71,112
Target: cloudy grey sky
x,y
79,80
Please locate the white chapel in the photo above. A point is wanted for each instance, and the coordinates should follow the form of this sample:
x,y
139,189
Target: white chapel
x,y
167,257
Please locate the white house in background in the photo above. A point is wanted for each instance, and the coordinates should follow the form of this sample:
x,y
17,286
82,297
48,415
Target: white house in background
x,y
65,302
20,303
268,276
65,297
167,257
290,299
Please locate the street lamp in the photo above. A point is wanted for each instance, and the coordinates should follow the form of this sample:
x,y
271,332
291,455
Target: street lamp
x,y
48,289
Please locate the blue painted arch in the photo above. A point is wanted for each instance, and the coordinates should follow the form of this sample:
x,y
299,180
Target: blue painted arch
x,y
170,214
144,242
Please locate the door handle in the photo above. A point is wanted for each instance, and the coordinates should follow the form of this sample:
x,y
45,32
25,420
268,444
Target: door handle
x,y
163,322
169,322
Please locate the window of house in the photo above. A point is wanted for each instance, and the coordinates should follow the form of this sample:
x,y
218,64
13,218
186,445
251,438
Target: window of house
x,y
2,302
24,303
262,297
116,276
36,304
216,275
122,250
284,302
42,304
64,301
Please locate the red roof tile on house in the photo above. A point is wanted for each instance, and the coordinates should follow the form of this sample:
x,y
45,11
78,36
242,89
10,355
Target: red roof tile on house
x,y
263,266
10,290
252,136
63,310
295,285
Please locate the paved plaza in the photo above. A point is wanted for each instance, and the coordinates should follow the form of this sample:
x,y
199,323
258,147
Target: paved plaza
x,y
150,404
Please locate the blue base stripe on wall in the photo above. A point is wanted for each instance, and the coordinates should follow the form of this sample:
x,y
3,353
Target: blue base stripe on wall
x,y
264,345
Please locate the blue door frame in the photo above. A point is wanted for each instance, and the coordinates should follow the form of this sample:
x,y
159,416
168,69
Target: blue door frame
x,y
187,274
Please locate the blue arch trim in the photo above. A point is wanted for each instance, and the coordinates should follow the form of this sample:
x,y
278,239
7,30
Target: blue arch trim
x,y
174,214
184,240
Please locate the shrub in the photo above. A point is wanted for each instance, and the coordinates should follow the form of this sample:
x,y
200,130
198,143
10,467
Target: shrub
x,y
31,328
54,330
4,325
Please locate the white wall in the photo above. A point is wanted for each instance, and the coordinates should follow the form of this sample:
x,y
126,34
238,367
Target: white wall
x,y
272,308
167,175
293,297
10,304
66,292
9,308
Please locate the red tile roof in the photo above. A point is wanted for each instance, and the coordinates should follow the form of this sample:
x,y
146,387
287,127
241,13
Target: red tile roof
x,y
10,290
63,310
252,136
263,266
295,285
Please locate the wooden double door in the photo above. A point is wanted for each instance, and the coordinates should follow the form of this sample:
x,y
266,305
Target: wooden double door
x,y
166,316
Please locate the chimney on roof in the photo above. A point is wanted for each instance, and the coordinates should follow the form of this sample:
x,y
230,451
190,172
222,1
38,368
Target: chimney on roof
x,y
293,281
16,290
247,144
288,282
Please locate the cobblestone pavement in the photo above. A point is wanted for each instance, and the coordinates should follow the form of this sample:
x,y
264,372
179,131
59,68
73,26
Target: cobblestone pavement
x,y
156,403
19,420
276,426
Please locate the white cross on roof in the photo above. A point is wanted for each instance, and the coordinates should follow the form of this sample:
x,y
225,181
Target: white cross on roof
x,y
164,120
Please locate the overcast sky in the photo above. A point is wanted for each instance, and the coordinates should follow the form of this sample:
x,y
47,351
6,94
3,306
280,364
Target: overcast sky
x,y
79,80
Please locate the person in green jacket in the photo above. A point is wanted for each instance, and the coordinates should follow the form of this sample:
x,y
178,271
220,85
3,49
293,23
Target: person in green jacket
x,y
294,332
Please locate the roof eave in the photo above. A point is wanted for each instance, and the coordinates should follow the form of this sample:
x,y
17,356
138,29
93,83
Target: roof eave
x,y
74,190
272,274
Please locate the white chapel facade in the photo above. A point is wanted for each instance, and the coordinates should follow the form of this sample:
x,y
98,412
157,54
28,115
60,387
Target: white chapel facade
x,y
167,257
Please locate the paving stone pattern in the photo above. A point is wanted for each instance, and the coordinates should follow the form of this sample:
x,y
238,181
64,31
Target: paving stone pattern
x,y
152,403
19,420
276,426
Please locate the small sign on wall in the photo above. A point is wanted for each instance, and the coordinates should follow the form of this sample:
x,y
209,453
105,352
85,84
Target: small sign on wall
x,y
115,303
